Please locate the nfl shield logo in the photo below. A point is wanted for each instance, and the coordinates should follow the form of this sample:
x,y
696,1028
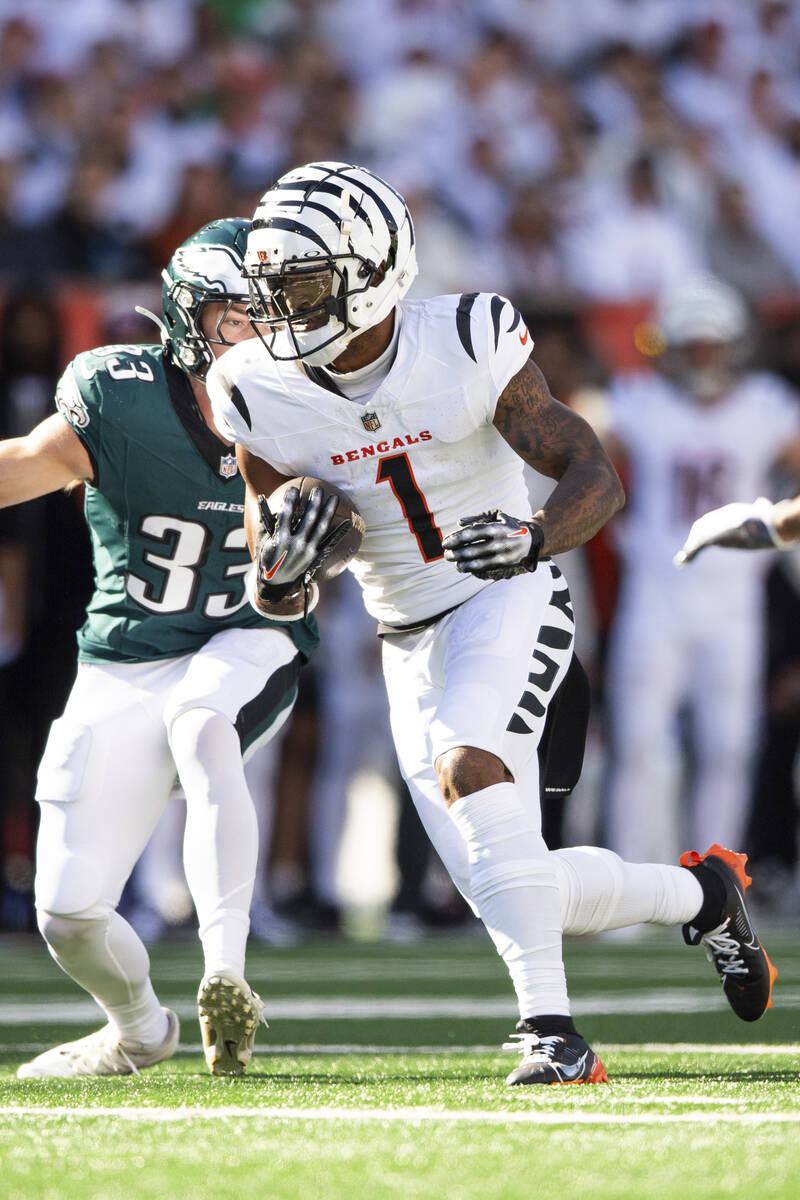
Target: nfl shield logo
x,y
370,421
228,466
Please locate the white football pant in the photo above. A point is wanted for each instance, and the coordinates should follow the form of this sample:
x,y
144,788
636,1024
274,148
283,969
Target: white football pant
x,y
128,731
666,652
483,676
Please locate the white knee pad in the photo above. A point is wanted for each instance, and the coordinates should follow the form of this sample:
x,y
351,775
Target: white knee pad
x,y
63,763
69,885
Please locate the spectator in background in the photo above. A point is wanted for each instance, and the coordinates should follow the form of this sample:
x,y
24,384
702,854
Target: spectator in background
x,y
204,191
634,246
738,254
529,257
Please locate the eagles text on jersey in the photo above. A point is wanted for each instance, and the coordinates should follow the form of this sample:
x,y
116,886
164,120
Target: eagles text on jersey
x,y
164,511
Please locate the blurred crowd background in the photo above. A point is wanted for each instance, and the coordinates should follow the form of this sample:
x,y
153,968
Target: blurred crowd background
x,y
579,156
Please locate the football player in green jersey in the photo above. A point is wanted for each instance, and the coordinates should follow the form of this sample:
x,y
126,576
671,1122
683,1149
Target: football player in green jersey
x,y
178,675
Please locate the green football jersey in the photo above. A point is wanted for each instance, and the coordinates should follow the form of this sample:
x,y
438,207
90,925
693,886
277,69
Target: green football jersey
x,y
165,512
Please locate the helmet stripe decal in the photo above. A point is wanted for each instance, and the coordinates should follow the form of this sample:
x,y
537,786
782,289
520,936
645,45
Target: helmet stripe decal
x,y
384,209
463,322
330,189
328,212
294,227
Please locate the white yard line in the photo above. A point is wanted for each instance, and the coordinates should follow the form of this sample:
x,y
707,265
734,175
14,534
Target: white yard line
x,y
407,1115
20,1011
265,1047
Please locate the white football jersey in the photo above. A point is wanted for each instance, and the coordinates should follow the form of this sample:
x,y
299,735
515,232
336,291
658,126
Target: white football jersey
x,y
419,454
686,458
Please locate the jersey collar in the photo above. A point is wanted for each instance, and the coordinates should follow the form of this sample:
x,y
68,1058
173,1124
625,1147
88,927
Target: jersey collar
x,y
218,455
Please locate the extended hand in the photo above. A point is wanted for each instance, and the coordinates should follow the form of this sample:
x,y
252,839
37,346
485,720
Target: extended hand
x,y
740,526
493,545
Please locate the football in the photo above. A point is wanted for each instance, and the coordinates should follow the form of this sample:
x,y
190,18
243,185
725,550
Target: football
x,y
342,550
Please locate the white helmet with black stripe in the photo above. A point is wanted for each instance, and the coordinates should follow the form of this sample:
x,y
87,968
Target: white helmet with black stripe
x,y
330,254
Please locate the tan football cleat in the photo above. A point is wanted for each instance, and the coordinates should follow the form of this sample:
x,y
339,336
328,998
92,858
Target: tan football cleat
x,y
230,1013
101,1053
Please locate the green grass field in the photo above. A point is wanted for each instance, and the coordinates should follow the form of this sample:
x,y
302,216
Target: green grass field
x,y
381,1076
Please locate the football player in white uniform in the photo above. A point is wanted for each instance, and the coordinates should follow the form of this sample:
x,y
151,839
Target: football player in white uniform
x,y
177,675
423,413
696,428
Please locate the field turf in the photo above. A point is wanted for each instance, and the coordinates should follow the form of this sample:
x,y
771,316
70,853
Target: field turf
x,y
381,1076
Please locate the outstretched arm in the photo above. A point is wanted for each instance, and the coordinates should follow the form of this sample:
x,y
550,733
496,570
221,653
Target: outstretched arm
x,y
558,443
760,525
51,457
786,518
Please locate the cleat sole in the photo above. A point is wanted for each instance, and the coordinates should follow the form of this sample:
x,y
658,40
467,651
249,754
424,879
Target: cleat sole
x,y
227,1022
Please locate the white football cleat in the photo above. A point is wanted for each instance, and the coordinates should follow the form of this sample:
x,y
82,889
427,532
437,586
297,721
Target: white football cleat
x,y
101,1053
230,1013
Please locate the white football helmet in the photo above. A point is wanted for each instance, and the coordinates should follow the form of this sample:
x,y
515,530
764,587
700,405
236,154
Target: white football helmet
x,y
693,316
321,237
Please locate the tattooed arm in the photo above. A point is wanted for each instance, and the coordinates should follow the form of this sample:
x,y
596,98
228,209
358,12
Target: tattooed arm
x,y
558,443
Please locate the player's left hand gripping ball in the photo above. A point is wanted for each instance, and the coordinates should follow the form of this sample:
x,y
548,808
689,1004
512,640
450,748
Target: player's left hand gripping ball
x,y
291,542
493,545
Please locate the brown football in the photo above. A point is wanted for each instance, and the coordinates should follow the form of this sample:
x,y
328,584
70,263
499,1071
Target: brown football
x,y
344,549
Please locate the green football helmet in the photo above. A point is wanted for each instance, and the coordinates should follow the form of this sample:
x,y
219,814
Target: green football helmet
x,y
207,268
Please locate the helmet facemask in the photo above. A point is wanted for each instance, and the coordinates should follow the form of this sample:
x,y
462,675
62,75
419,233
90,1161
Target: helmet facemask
x,y
193,350
325,266
206,269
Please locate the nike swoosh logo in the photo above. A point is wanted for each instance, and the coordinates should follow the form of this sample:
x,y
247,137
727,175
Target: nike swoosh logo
x,y
522,339
269,574
519,532
574,1071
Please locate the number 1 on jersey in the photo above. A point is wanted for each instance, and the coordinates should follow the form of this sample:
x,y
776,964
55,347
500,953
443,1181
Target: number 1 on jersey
x,y
397,470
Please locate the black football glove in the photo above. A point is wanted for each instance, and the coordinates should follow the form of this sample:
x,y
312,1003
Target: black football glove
x,y
493,545
291,547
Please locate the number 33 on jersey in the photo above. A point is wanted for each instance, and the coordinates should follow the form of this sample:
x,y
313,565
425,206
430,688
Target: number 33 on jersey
x,y
428,454
164,511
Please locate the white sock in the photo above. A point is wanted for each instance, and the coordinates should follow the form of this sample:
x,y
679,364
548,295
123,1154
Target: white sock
x,y
600,891
220,846
107,958
513,885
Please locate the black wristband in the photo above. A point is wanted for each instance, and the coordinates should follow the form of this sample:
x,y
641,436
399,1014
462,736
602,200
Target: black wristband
x,y
271,593
531,559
